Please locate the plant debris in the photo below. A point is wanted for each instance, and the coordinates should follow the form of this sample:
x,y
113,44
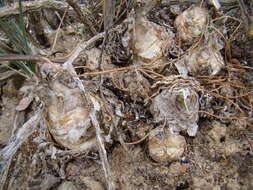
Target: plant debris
x,y
177,106
206,58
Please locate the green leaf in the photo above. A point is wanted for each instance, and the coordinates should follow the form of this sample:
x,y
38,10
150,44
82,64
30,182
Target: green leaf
x,y
16,33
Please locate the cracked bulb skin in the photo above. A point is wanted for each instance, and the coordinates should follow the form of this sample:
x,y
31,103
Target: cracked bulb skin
x,y
166,147
67,110
191,23
69,121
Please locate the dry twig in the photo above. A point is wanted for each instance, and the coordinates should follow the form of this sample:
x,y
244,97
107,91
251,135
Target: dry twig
x,y
102,152
58,29
34,58
101,146
82,46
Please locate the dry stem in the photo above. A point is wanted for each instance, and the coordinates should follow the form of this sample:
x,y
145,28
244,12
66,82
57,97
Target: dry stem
x,y
58,29
101,146
100,140
82,46
34,58
7,153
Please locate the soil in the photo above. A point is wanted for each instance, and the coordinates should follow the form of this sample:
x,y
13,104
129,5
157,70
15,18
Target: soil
x,y
219,157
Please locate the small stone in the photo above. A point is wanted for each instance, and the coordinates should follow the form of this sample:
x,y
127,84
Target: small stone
x,y
166,147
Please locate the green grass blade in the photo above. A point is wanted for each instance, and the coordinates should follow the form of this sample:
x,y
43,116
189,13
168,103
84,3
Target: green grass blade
x,y
22,26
